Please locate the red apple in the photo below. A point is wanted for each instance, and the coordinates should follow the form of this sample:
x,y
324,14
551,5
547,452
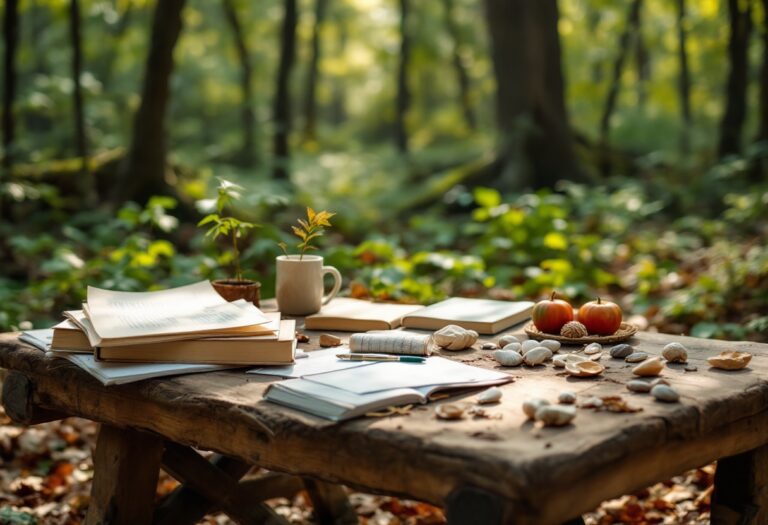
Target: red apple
x,y
600,317
551,314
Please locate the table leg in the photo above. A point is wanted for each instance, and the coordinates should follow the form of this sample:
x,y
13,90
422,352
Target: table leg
x,y
330,503
741,489
126,468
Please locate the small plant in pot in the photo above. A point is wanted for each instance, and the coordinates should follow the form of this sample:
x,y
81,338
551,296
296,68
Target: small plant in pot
x,y
220,225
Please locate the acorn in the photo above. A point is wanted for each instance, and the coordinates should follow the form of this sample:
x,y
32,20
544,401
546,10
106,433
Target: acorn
x,y
574,329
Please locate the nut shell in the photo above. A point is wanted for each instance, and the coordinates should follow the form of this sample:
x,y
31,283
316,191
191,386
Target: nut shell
x,y
574,329
730,360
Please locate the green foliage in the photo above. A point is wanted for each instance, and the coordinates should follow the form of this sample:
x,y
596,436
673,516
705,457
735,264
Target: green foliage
x,y
219,225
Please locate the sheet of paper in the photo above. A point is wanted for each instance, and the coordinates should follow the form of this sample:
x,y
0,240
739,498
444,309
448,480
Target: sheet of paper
x,y
389,375
317,362
192,308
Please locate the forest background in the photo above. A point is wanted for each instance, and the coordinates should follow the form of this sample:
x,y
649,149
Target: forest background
x,y
502,148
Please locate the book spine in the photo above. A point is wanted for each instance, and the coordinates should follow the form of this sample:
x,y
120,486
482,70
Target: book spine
x,y
392,343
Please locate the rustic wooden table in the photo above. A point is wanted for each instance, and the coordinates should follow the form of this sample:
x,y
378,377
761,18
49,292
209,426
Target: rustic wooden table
x,y
483,471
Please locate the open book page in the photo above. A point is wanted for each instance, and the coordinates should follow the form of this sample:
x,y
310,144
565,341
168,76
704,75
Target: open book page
x,y
192,308
40,339
435,371
316,362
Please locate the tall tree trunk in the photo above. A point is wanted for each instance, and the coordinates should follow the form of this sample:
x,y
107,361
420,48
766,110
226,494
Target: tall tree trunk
x,y
11,32
282,111
684,81
736,89
536,142
77,91
310,93
403,93
462,77
613,91
143,172
642,62
247,112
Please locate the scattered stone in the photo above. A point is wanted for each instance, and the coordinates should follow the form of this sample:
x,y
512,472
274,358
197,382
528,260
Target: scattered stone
x,y
555,415
649,367
489,346
302,337
675,353
621,351
619,405
691,368
537,356
492,395
636,385
591,402
504,340
584,369
566,398
574,329
593,348
636,357
561,360
529,345
508,357
553,345
532,405
454,337
596,357
328,340
659,381
665,393
450,411
517,347
730,360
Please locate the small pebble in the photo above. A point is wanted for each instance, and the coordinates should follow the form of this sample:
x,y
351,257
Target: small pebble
x,y
659,381
649,367
489,346
593,348
555,416
532,405
636,357
328,340
675,353
665,393
639,386
537,356
513,346
553,345
504,340
528,345
691,368
492,395
508,357
302,338
561,360
566,398
592,402
596,357
621,351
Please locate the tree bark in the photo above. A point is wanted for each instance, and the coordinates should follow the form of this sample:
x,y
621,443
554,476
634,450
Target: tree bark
x,y
535,138
247,113
462,78
684,81
11,32
736,89
81,141
613,91
143,173
403,93
282,111
310,93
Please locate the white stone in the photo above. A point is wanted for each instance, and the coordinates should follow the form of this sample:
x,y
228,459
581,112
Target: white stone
x,y
530,344
567,398
532,405
504,340
593,348
675,353
492,395
553,345
537,356
507,357
555,415
453,337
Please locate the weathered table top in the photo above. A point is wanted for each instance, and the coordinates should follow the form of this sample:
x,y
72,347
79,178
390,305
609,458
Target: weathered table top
x,y
543,474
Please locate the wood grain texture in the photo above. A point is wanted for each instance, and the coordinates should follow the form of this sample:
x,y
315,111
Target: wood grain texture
x,y
126,468
532,470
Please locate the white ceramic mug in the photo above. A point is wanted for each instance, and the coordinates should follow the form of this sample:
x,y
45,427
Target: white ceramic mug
x,y
299,287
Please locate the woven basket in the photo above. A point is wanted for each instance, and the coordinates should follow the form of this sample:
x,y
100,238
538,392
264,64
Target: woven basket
x,y
625,331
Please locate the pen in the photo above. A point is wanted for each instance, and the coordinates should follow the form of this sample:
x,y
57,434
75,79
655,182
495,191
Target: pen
x,y
382,357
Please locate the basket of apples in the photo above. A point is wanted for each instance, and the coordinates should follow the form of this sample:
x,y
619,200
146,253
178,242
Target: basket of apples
x,y
597,321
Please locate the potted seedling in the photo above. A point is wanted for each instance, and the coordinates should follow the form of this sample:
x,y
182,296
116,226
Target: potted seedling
x,y
219,225
299,287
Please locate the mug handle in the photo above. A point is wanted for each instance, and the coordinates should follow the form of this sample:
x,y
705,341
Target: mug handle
x,y
336,282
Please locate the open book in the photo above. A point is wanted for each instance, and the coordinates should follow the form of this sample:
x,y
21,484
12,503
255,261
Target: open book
x,y
354,315
186,312
345,394
485,316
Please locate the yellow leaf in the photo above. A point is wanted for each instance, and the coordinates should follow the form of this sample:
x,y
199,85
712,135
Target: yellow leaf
x,y
310,214
299,233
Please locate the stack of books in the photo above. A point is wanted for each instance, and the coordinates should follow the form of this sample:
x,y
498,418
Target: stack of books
x,y
189,325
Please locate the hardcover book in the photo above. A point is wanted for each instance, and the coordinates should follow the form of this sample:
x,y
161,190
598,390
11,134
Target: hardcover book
x,y
355,315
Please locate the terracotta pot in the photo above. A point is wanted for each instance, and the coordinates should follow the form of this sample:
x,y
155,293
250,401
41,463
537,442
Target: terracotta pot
x,y
232,290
